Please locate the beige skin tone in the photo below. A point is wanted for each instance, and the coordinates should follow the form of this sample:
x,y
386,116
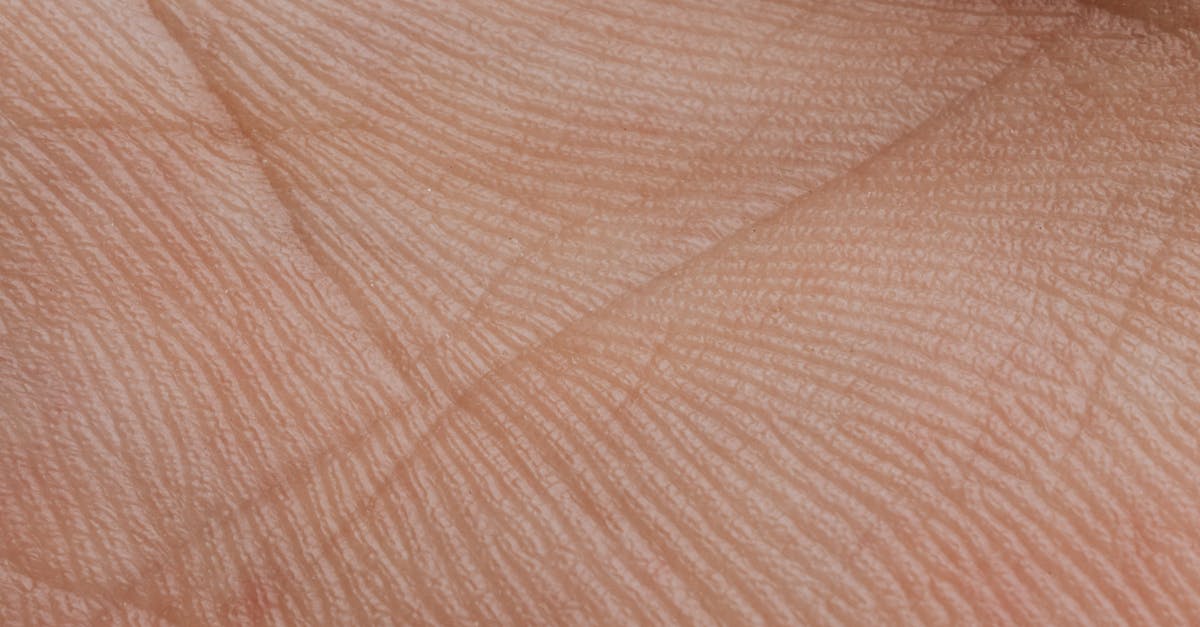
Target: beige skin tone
x,y
647,312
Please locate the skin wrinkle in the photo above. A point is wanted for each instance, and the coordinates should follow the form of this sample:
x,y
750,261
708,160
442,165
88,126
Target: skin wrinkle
x,y
564,286
163,562
1112,343
1158,259
367,434
360,438
538,246
577,224
333,454
342,454
177,33
143,365
717,248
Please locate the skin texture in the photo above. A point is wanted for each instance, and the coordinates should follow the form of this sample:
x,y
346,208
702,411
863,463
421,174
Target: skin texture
x,y
659,311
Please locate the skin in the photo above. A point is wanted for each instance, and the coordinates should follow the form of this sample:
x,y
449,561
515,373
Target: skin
x,y
525,312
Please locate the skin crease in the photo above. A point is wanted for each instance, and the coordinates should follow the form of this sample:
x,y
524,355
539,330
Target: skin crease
x,y
650,312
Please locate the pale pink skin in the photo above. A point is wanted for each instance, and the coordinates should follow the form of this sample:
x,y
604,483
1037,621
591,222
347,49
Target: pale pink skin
x,y
642,312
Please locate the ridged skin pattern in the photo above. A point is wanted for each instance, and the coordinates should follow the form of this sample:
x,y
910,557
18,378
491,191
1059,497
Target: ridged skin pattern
x,y
551,312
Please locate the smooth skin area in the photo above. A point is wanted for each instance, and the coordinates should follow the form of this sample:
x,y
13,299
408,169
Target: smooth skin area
x,y
359,312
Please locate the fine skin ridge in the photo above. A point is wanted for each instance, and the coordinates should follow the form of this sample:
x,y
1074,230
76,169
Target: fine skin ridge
x,y
361,440
372,431
357,313
662,275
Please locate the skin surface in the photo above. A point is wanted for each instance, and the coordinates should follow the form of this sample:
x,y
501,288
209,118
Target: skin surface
x,y
643,312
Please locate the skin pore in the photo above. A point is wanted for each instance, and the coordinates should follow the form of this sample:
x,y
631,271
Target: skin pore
x,y
556,312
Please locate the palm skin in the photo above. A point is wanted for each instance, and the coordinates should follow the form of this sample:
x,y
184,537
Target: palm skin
x,y
599,313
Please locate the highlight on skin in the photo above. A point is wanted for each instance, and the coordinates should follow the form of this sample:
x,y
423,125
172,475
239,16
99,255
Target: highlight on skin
x,y
358,312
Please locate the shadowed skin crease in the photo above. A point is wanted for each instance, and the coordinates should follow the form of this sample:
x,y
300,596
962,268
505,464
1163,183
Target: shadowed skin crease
x,y
358,312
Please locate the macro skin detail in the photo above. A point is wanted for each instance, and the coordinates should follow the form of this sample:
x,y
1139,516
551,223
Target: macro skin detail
x,y
550,312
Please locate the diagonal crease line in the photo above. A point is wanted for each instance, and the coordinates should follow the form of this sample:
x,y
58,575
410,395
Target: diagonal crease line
x,y
693,172
1112,348
671,272
326,457
372,327
364,436
719,246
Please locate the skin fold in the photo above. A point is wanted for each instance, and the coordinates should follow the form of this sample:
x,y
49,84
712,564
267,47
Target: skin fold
x,y
365,312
